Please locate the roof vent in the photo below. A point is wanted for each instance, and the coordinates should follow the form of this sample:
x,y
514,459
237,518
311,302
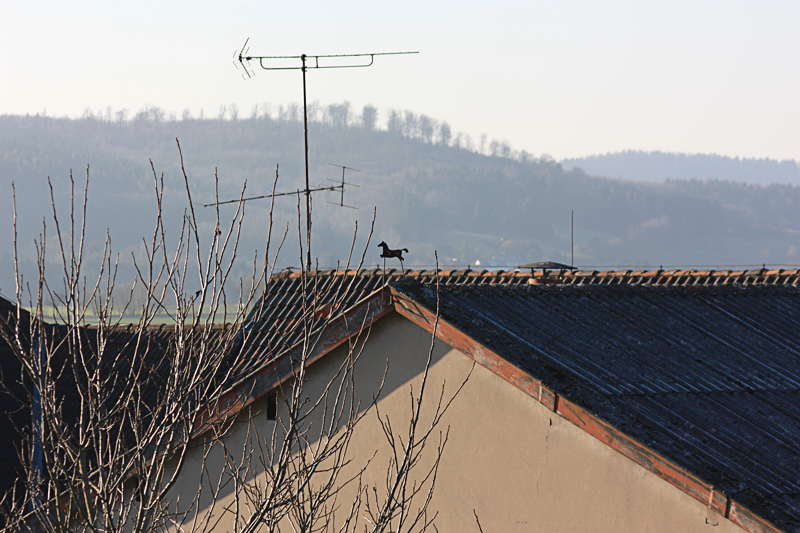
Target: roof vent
x,y
544,278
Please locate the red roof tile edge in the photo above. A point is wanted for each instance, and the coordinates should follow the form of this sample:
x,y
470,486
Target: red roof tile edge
x,y
604,432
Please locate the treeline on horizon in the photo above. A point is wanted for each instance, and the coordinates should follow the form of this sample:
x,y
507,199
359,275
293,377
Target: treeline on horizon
x,y
659,166
337,116
431,189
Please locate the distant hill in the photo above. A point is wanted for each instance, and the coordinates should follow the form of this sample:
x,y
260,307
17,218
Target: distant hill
x,y
430,194
659,166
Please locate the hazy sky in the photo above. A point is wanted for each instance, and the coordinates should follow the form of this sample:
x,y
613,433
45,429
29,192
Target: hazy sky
x,y
565,78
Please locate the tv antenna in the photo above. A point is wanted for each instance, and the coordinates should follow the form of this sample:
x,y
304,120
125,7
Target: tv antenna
x,y
331,188
341,186
244,59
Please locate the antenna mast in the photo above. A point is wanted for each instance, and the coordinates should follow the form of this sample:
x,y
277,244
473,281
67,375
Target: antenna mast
x,y
306,62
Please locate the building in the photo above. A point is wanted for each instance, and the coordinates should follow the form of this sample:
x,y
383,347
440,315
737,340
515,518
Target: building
x,y
597,401
606,401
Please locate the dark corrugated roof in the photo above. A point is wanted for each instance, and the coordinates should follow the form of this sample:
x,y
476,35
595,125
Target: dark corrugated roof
x,y
16,393
275,323
707,376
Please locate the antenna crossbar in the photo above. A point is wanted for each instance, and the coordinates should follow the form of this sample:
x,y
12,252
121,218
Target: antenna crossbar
x,y
292,193
312,61
329,55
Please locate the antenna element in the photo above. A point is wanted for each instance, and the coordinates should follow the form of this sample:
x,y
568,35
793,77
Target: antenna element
x,y
341,202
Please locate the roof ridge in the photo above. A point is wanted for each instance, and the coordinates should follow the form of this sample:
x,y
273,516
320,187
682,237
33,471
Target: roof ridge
x,y
762,276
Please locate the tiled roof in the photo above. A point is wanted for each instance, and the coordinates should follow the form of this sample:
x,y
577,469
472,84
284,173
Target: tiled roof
x,y
706,375
761,276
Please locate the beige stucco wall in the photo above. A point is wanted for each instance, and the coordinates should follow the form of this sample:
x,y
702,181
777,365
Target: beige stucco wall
x,y
520,466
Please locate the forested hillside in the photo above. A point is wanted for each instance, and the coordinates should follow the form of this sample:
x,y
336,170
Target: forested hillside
x,y
433,190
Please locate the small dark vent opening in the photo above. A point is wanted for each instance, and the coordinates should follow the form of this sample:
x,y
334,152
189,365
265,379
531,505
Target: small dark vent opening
x,y
272,405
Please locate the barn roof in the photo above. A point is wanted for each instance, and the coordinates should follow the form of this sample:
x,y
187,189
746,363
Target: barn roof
x,y
705,379
273,319
692,374
16,388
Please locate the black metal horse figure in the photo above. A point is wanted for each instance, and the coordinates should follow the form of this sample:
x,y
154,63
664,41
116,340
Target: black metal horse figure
x,y
387,253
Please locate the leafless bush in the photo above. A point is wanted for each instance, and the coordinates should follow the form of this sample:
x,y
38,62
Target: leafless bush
x,y
118,411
